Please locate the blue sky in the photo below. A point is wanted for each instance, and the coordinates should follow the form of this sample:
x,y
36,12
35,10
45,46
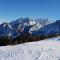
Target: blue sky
x,y
14,9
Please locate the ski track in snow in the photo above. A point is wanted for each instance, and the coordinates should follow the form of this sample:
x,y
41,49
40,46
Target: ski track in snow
x,y
48,49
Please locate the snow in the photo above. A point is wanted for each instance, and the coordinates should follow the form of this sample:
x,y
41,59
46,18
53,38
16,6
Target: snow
x,y
48,49
31,22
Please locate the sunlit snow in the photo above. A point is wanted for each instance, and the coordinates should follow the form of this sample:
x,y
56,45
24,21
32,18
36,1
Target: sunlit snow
x,y
48,49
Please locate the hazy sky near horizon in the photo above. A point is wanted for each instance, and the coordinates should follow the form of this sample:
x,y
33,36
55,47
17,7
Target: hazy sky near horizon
x,y
14,9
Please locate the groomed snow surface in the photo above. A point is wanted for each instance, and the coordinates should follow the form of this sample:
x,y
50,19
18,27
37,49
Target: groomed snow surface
x,y
48,49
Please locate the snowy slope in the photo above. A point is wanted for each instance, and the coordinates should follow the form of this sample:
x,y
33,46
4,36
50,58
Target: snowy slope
x,y
48,49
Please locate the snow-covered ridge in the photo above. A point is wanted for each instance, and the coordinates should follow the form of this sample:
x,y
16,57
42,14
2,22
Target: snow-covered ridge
x,y
48,49
19,26
50,29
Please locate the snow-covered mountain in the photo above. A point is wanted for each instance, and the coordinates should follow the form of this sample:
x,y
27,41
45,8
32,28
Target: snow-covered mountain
x,y
53,28
22,26
7,30
22,23
48,49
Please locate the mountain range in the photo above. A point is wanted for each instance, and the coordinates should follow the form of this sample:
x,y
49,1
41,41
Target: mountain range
x,y
24,26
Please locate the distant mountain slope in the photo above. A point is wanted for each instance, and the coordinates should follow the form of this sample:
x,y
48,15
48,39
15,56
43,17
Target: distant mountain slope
x,y
7,30
53,28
